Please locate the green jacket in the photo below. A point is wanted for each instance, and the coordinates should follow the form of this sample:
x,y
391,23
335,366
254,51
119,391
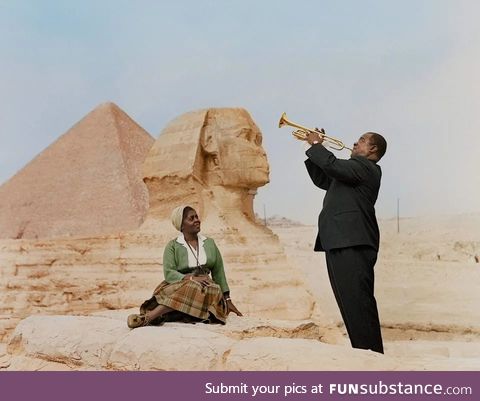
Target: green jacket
x,y
175,262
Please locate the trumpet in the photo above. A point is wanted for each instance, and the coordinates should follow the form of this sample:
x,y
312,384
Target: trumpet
x,y
301,133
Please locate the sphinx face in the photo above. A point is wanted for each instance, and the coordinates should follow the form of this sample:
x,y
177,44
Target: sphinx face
x,y
240,160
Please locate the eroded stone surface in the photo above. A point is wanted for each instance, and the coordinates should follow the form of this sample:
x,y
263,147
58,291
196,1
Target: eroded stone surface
x,y
104,342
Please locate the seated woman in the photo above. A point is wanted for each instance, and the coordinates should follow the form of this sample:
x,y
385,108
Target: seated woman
x,y
188,288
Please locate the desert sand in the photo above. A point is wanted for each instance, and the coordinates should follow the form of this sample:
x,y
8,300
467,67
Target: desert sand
x,y
64,299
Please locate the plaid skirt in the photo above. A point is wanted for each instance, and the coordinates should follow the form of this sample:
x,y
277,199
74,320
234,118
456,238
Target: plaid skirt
x,y
190,299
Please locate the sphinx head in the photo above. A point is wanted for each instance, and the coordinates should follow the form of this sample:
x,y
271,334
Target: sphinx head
x,y
233,155
202,153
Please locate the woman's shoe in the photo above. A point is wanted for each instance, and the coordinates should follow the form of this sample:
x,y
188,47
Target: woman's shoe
x,y
135,321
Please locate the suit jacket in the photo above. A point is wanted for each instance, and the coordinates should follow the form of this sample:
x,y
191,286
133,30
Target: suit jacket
x,y
348,214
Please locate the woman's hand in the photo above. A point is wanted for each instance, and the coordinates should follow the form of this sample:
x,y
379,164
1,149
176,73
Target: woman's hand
x,y
232,308
204,280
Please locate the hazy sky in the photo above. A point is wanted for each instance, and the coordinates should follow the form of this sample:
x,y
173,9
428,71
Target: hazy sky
x,y
408,70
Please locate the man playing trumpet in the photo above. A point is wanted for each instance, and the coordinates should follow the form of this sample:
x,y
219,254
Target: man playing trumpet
x,y
348,230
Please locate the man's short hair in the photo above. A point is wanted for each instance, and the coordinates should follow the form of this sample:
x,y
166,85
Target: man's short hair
x,y
380,142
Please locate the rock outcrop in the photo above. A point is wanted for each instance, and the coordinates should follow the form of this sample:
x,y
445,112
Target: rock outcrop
x,y
63,343
102,342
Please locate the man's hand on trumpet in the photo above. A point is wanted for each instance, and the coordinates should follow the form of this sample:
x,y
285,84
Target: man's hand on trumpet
x,y
314,137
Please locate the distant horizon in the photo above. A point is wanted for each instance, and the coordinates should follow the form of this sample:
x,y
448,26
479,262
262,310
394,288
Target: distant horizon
x,y
434,216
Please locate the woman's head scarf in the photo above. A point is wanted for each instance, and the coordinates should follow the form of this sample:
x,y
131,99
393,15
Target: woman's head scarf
x,y
177,217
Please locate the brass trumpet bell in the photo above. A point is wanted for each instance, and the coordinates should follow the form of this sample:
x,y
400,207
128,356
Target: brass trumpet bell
x,y
301,133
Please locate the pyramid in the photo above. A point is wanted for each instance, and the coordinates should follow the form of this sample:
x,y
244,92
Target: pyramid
x,y
88,182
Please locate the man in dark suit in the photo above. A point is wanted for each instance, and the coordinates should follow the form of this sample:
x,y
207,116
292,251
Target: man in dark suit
x,y
348,231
